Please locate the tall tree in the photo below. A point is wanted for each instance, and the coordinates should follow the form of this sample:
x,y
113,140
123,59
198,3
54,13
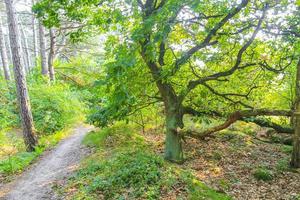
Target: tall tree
x,y
51,54
4,54
43,57
192,63
20,79
34,37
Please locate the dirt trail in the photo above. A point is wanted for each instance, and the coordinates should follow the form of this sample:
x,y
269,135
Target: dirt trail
x,y
36,183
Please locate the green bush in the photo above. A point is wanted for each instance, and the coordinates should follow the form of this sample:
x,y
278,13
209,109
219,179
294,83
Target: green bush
x,y
8,107
54,107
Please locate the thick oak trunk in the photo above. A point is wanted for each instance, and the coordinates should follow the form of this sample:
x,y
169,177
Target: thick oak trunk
x,y
295,161
22,92
173,141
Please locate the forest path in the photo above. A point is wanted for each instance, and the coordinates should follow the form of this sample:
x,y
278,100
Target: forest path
x,y
36,183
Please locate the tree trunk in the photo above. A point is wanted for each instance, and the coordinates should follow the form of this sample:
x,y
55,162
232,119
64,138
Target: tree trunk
x,y
173,143
295,161
4,55
51,55
43,50
25,49
22,92
34,39
8,49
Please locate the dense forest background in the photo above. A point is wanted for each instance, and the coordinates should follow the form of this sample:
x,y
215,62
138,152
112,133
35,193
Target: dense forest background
x,y
188,99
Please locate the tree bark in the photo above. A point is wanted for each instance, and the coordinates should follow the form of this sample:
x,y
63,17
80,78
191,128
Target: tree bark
x,y
4,55
51,55
173,143
25,49
22,92
8,49
45,70
295,160
34,39
244,115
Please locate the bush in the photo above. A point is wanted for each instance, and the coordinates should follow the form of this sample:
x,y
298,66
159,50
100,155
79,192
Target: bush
x,y
54,107
9,116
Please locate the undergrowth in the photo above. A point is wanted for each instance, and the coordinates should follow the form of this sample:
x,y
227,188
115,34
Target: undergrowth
x,y
123,166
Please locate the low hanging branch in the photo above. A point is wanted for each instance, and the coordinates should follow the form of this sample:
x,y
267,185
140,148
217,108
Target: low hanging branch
x,y
267,123
247,115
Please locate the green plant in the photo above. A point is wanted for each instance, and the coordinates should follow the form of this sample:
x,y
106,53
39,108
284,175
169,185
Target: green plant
x,y
54,107
286,149
283,165
263,174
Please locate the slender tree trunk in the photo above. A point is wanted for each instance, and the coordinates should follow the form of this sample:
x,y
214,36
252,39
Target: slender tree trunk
x,y
51,55
295,161
34,39
8,49
25,49
22,92
43,50
4,55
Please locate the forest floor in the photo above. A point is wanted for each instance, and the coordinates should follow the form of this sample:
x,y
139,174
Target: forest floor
x,y
240,165
53,166
235,162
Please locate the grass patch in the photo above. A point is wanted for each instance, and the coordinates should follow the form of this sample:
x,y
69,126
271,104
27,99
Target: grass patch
x,y
125,167
263,174
287,149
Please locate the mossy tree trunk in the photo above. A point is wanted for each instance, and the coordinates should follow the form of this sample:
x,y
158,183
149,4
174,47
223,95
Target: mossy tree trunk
x,y
173,143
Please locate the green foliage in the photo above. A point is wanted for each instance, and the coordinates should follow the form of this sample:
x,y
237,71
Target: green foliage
x,y
18,162
9,116
286,149
138,172
263,174
54,107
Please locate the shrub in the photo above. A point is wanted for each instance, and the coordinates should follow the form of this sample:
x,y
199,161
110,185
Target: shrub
x,y
8,107
54,107
263,174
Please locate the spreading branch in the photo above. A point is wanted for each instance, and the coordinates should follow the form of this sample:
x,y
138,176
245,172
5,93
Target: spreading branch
x,y
246,115
207,41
